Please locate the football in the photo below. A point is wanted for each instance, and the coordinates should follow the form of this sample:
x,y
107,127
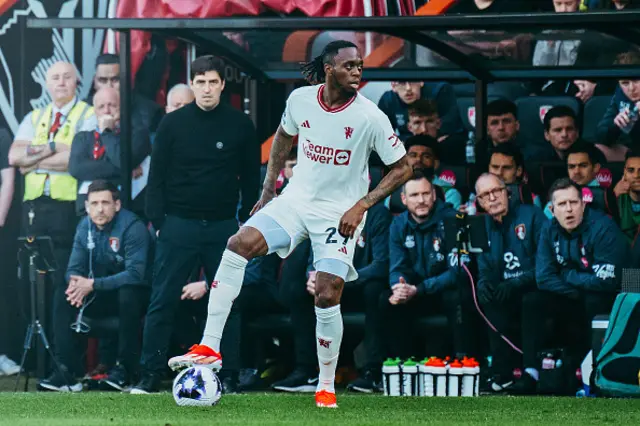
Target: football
x,y
197,386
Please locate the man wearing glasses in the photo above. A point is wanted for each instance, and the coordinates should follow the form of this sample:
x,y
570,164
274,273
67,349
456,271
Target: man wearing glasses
x,y
506,271
108,276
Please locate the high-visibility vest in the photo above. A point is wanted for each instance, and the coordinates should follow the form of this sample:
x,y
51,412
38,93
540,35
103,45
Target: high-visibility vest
x,y
62,186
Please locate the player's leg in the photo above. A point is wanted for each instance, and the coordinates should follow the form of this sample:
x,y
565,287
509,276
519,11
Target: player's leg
x,y
260,235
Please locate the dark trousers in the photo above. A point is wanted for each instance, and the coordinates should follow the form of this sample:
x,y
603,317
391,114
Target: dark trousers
x,y
457,305
181,246
363,297
570,315
237,343
128,304
507,318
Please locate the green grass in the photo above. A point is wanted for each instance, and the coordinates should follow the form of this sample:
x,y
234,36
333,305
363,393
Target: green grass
x,y
88,409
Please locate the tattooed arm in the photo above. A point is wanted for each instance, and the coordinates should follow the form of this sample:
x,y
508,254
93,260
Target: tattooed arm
x,y
400,172
282,143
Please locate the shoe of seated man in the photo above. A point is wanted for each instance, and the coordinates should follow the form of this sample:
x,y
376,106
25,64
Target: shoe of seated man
x,y
525,385
198,355
61,380
117,378
8,367
299,380
369,382
326,399
149,383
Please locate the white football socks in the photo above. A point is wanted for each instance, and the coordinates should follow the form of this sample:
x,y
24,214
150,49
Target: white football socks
x,y
329,329
224,290
533,373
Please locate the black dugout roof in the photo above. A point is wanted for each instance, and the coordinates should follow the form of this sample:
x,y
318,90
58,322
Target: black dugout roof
x,y
452,47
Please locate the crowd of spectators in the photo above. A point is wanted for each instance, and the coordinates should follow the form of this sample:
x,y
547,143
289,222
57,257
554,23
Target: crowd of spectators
x,y
145,264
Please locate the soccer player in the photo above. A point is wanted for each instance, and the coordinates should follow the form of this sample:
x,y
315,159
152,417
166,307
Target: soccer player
x,y
325,201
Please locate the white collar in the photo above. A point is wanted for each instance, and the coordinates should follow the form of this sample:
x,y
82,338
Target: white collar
x,y
66,109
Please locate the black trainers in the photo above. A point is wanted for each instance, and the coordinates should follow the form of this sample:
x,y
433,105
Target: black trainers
x,y
298,381
525,385
117,379
367,383
60,381
149,383
230,384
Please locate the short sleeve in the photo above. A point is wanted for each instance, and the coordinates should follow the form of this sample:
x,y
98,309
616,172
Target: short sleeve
x,y
287,123
26,132
385,142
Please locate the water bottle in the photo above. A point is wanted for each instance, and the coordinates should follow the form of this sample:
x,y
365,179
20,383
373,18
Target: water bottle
x,y
468,378
548,363
633,114
391,377
410,378
423,371
439,369
471,205
470,149
455,378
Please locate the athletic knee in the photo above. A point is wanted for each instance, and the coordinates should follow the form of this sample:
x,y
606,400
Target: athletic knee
x,y
244,245
328,290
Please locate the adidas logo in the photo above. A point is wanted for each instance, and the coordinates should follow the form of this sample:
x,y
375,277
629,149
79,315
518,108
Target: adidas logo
x,y
305,124
343,250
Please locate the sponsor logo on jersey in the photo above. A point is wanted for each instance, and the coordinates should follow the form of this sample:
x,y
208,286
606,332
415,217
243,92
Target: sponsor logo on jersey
x,y
324,343
394,140
449,177
521,231
544,109
604,178
325,154
348,132
587,195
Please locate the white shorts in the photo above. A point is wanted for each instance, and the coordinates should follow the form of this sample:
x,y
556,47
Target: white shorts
x,y
301,221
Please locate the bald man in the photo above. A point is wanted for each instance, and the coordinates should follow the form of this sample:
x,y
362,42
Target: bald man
x,y
179,96
95,154
41,150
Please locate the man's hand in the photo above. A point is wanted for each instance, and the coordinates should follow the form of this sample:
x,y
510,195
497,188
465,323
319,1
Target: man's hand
x,y
485,294
311,283
585,89
106,122
351,219
28,169
194,291
265,198
622,187
402,292
622,120
79,287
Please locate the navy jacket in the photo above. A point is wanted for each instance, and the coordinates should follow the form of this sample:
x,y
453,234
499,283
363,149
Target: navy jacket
x,y
607,132
444,95
591,258
371,258
417,252
512,247
122,253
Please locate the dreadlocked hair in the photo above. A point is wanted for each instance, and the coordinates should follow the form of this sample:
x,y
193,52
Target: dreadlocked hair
x,y
313,70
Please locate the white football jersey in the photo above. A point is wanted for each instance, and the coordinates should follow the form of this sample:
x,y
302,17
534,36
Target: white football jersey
x,y
334,146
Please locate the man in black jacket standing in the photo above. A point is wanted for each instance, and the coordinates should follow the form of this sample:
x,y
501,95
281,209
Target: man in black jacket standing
x,y
205,158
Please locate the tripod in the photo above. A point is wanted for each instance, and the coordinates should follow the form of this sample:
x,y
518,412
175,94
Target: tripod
x,y
37,277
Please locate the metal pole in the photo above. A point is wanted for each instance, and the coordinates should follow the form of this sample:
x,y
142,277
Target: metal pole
x,y
481,124
125,117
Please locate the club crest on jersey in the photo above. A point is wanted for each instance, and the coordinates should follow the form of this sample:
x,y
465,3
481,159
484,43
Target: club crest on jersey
x,y
544,109
436,244
410,242
114,243
471,115
521,231
587,195
361,243
348,132
400,119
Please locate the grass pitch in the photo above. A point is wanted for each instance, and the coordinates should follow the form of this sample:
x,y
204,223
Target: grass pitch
x,y
88,409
